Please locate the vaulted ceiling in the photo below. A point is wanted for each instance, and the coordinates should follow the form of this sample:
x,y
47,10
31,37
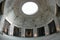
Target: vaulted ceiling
x,y
45,14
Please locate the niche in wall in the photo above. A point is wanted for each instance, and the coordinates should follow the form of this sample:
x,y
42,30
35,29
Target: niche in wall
x,y
52,27
29,33
6,27
2,7
40,31
17,31
58,11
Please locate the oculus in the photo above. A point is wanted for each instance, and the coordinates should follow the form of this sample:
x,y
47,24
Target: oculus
x,y
29,8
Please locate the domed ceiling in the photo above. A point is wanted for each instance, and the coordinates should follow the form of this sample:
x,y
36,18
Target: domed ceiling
x,y
46,12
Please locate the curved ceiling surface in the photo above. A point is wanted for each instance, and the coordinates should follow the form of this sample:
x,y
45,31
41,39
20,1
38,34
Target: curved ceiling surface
x,y
45,13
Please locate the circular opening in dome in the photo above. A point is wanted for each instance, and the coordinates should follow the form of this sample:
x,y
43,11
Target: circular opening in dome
x,y
29,8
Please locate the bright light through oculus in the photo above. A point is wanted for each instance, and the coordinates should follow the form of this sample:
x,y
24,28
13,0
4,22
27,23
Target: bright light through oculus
x,y
29,8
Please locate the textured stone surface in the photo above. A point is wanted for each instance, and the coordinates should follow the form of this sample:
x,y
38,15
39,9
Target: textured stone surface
x,y
50,37
1,0
58,2
45,13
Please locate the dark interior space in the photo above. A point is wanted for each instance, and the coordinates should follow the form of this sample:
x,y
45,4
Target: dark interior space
x,y
2,7
40,31
52,27
16,31
58,11
29,33
6,27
